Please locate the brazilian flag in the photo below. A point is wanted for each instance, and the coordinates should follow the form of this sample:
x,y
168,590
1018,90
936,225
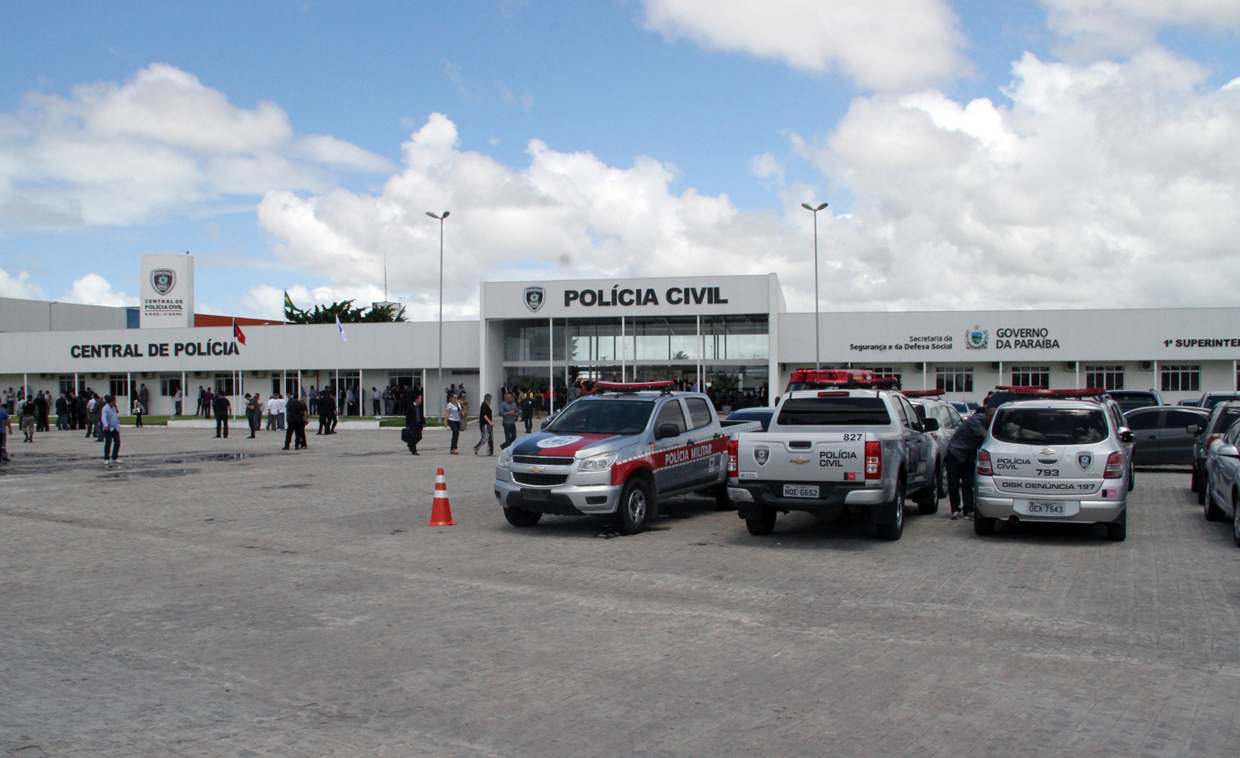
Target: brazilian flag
x,y
288,302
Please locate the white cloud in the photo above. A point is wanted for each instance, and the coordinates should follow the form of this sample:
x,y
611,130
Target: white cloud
x,y
768,167
19,286
892,45
566,214
93,289
1092,26
1104,185
1101,185
162,142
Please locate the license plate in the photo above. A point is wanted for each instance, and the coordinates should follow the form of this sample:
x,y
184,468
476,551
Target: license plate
x,y
801,490
1045,509
536,496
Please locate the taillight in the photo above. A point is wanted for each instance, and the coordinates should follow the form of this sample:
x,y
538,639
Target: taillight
x,y
983,464
873,460
732,456
1115,467
1211,438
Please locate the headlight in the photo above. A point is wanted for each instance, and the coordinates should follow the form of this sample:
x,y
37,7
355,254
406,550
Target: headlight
x,y
505,457
597,462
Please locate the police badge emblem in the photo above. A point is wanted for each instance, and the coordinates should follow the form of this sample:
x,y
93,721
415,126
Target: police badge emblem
x,y
163,280
1084,460
534,297
761,454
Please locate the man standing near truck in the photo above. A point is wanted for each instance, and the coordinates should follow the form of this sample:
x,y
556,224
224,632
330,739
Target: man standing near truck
x,y
962,462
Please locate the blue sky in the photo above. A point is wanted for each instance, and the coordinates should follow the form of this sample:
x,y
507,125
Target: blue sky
x,y
673,137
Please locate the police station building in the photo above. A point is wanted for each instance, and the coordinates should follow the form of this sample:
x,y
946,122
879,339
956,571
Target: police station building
x,y
715,330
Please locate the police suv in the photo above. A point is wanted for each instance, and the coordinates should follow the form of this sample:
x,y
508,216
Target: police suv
x,y
1055,460
617,451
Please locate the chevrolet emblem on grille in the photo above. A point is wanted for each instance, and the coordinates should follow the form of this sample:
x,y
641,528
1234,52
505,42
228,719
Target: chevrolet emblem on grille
x,y
537,469
800,460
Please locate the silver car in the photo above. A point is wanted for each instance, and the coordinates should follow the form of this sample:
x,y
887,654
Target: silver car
x,y
930,405
1058,461
1223,480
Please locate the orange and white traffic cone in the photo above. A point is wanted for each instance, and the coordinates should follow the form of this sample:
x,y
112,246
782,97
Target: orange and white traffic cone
x,y
441,511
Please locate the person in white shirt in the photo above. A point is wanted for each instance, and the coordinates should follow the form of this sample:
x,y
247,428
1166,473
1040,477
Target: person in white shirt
x,y
273,409
281,405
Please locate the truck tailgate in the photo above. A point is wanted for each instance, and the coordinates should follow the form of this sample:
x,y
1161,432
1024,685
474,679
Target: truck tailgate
x,y
817,457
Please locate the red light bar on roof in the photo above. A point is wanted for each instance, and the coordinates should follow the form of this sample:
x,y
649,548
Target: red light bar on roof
x,y
634,386
921,393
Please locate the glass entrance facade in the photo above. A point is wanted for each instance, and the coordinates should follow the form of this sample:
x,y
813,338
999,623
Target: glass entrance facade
x,y
732,351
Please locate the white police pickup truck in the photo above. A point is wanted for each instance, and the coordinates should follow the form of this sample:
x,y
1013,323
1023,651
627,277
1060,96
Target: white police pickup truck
x,y
859,451
617,451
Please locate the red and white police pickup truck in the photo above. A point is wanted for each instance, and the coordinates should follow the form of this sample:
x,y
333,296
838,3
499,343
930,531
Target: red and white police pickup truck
x,y
617,451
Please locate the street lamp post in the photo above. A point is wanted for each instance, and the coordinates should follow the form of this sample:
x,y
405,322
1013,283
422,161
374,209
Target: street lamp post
x,y
817,340
440,218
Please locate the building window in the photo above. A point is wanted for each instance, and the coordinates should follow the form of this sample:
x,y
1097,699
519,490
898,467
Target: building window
x,y
1104,377
887,372
169,385
68,383
118,385
1181,378
1031,376
953,378
224,384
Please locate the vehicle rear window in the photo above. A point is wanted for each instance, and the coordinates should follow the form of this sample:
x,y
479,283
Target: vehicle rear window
x,y
603,417
834,411
1049,426
1225,419
1128,402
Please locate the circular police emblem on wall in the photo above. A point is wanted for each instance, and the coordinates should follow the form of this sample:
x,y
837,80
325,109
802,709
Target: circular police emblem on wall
x,y
535,297
163,280
976,338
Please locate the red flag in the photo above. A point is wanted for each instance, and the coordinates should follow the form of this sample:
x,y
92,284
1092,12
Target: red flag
x,y
238,335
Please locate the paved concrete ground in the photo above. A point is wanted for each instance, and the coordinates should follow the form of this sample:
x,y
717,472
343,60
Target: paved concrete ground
x,y
188,603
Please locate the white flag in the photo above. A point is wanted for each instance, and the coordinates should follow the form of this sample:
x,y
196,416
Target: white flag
x,y
340,328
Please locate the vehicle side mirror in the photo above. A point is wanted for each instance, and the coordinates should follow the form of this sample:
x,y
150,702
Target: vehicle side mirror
x,y
1228,451
1127,437
930,425
666,430
1193,429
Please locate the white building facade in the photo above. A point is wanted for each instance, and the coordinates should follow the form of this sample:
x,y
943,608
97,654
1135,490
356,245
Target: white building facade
x,y
704,329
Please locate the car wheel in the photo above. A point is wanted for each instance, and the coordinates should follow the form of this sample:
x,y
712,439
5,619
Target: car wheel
x,y
892,531
521,518
1117,530
1235,517
635,506
764,524
1203,484
942,480
1132,479
1194,485
928,499
982,526
722,503
1213,512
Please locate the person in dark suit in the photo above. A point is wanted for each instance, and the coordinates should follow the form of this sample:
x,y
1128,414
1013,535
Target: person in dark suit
x,y
415,419
223,409
296,413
